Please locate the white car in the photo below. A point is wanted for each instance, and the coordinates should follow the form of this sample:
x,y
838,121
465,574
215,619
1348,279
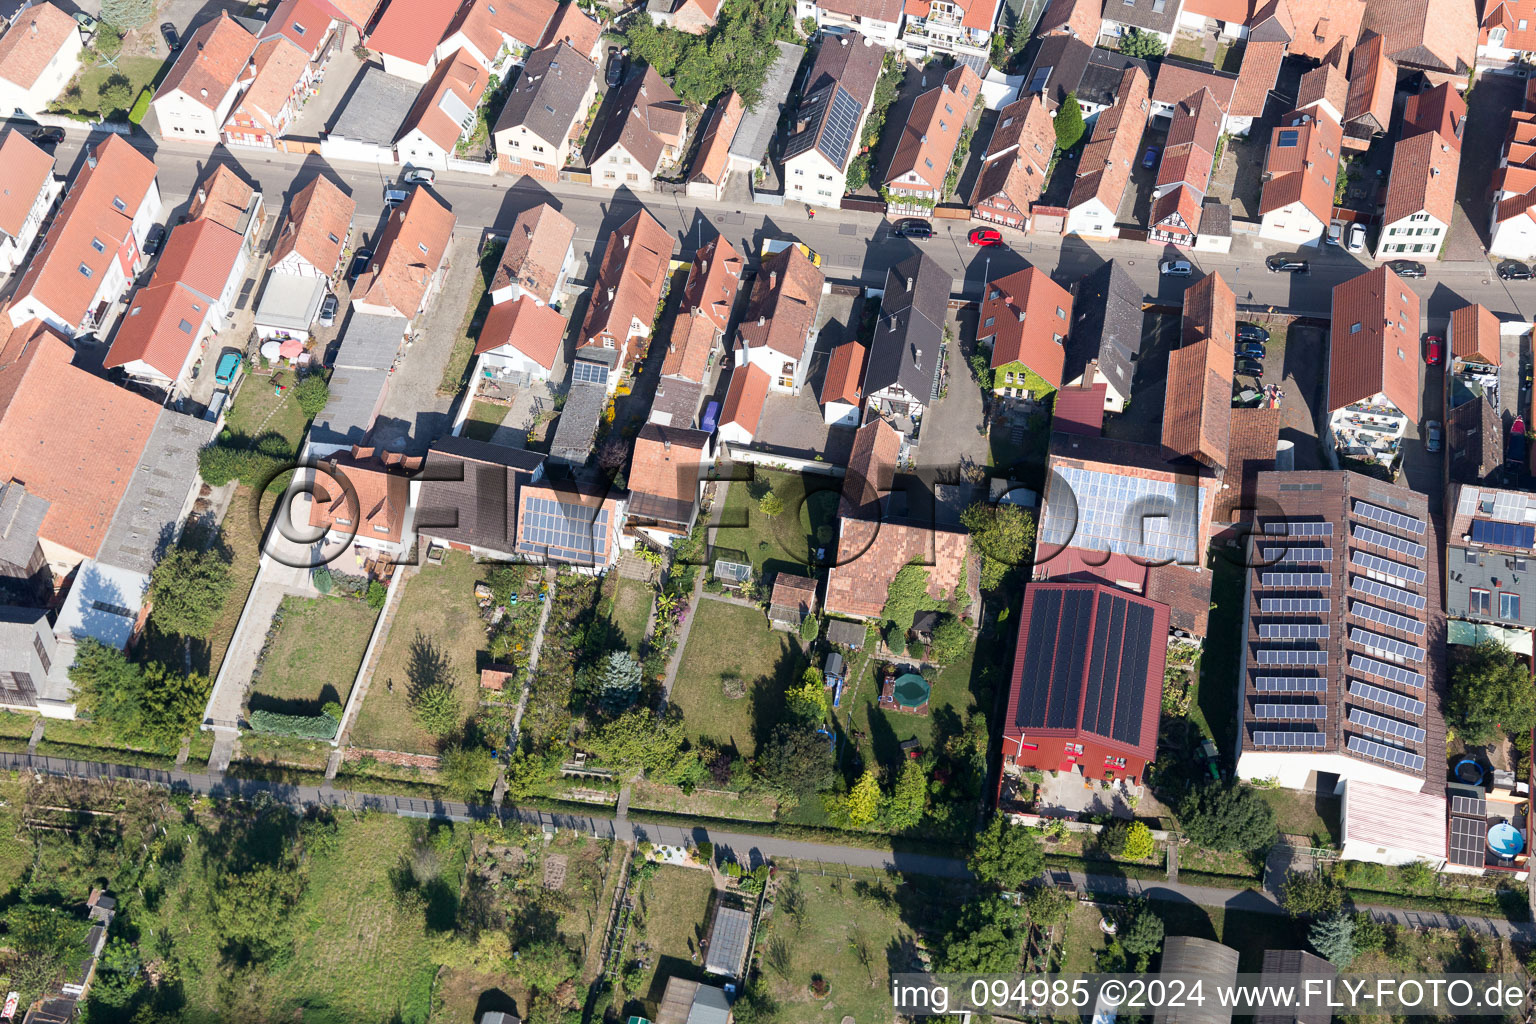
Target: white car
x,y
1175,268
420,176
1357,238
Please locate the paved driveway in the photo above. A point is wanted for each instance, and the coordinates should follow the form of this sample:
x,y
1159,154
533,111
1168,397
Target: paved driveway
x,y
1488,110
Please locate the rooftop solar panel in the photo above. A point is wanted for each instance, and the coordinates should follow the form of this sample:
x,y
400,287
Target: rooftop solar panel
x,y
1390,646
1290,656
1408,548
1469,838
1473,805
589,372
1061,710
1375,588
1294,605
1290,712
1131,691
1288,739
1387,517
1039,652
1504,535
1290,684
1393,570
1292,631
1386,698
1386,726
1383,617
1291,528
1296,580
1386,670
836,141
1094,510
563,531
1296,555
1385,752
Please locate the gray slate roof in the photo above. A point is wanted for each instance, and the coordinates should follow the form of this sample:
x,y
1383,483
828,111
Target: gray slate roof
x,y
758,124
709,1006
1153,15
150,510
1058,67
1101,78
21,516
369,345
548,93
848,65
905,349
370,342
376,109
1107,308
577,427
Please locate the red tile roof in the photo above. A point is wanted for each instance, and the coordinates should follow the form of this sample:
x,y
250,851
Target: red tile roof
x,y
744,397
1080,409
535,252
1474,334
572,25
1438,35
1304,172
713,282
1257,76
785,298
845,369
1424,169
1027,315
32,43
485,23
871,469
1372,80
1177,81
160,327
1017,154
460,75
668,463
1440,109
411,29
200,254
80,462
629,282
319,221
1324,83
223,197
926,146
380,491
535,330
410,249
212,59
27,172
1375,342
1191,146
1081,18
1235,12
869,554
305,23
1197,409
1251,450
715,148
1105,167
279,65
977,15
358,12
1322,25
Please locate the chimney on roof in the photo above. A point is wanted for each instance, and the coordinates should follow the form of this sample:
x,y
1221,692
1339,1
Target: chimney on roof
x,y
909,284
666,444
202,194
626,241
917,354
34,26
773,279
610,293
204,93
761,320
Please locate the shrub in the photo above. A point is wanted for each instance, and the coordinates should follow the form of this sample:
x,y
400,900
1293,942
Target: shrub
x,y
377,594
116,94
313,727
140,106
312,393
321,578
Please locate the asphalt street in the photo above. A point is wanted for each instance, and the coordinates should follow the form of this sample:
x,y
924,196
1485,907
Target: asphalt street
x,y
856,247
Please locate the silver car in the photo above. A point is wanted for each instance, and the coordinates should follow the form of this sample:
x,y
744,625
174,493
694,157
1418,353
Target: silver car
x,y
1432,436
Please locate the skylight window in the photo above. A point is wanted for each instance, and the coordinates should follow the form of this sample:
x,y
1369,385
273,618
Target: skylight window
x,y
119,205
85,270
96,244
421,246
1288,138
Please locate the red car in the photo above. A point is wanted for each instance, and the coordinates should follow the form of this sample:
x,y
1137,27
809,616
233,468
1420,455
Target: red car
x,y
985,236
1432,350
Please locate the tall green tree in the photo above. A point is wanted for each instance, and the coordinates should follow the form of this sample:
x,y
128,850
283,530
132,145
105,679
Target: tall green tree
x,y
638,742
909,797
466,770
107,686
807,702
1136,43
251,909
1005,536
985,938
797,761
1334,938
864,799
1006,855
1310,894
436,707
1046,905
1490,690
1144,935
188,590
1069,122
619,685
172,703
1227,816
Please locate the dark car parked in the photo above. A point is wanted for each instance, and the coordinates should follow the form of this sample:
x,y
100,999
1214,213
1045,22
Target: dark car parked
x,y
359,264
1514,270
1287,265
154,239
172,38
913,228
1248,368
1251,332
1407,268
48,136
1249,350
615,70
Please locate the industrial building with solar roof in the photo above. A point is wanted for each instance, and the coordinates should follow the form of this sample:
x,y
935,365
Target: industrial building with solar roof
x,y
1344,640
1087,685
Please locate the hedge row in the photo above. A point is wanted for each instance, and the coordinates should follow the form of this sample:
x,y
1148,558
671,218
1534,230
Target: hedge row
x,y
310,727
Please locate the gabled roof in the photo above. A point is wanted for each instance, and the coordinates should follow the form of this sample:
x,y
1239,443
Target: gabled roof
x,y
665,471
447,100
1439,35
411,29
303,22
744,397
1424,169
871,470
644,115
870,554
629,281
319,220
1177,80
1234,12
1440,109
469,492
1257,76
1251,449
1372,79
713,281
212,60
1191,146
1325,86
1103,76
1325,27
1375,342
1082,18
32,43
1058,67
378,496
224,198
28,169
573,26
709,165
785,298
200,254
836,93
278,63
546,99
1153,15
927,142
116,175
1179,209
1107,308
1105,166
534,329
1474,334
159,328
81,462
409,251
977,15
910,328
1026,315
535,252
486,23
1303,170
1017,154
358,12
1197,409
845,371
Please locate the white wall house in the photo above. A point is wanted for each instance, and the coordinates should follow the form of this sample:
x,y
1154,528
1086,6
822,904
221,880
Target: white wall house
x,y
880,21
196,98
1092,219
1416,233
1512,228
811,178
1293,224
27,81
26,167
959,27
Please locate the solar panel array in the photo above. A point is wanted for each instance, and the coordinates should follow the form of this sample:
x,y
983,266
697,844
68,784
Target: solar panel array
x,y
1296,579
1290,712
1276,738
1117,670
1396,595
1386,670
1469,838
1387,517
1473,805
836,139
1298,529
1294,605
1366,535
1290,684
1383,617
1386,726
586,372
1290,656
1385,752
1297,555
1504,535
1386,698
1385,644
1058,625
1293,631
1396,570
567,531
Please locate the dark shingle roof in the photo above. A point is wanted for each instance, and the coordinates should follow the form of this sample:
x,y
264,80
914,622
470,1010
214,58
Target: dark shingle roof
x,y
905,349
848,65
1058,67
548,93
1107,328
1101,78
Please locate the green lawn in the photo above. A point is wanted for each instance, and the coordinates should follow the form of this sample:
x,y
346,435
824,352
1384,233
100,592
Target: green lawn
x,y
630,609
732,638
257,410
1305,814
785,542
670,921
140,72
15,723
879,733
437,613
15,856
315,656
483,419
1084,938
239,534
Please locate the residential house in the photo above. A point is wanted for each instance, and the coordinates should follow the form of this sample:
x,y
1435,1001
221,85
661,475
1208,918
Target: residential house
x,y
495,33
1184,174
466,496
26,198
571,525
407,266
33,676
1326,30
1355,548
665,474
879,21
1300,168
961,29
407,35
791,602
698,331
1421,196
873,459
1197,408
870,553
1252,449
229,201
1512,224
1024,321
194,102
1230,19
742,411
574,27
318,27
712,163
696,17
443,114
1268,37
1177,80
1012,174
94,246
1372,82
539,256
522,337
777,333
825,129
627,293
1439,109
901,372
1436,37
1104,169
1505,32
1149,17
363,499
39,54
644,132
1081,18
280,80
370,120
1373,371
544,113
1105,340
313,238
927,145
1325,87
842,396
73,440
1059,65
1489,547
